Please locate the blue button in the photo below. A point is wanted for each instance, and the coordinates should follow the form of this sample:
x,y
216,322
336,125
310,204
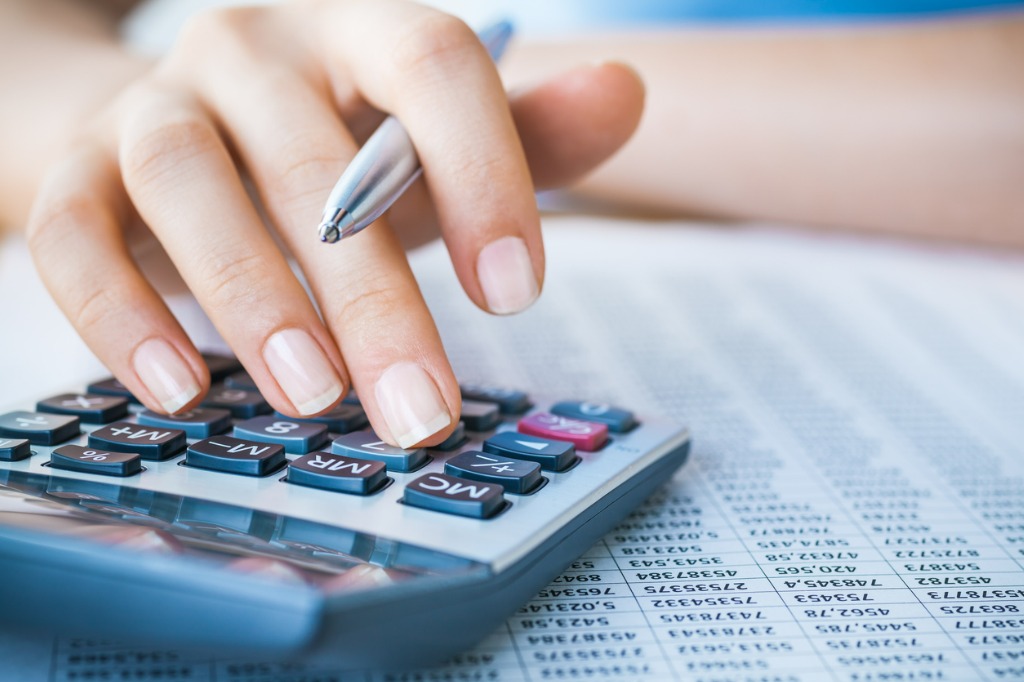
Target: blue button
x,y
451,495
95,461
366,445
241,404
297,437
341,419
617,419
552,455
236,456
514,475
337,472
199,422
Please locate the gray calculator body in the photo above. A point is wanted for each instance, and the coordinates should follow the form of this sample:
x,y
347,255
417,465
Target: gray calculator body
x,y
429,584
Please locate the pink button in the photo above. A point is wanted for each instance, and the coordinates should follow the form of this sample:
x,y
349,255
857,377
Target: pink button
x,y
584,435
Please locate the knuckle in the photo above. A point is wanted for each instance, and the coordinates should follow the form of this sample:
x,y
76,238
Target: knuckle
x,y
93,309
306,162
158,150
233,280
54,215
376,300
435,42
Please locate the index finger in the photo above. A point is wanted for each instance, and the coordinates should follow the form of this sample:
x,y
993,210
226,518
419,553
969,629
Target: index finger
x,y
431,71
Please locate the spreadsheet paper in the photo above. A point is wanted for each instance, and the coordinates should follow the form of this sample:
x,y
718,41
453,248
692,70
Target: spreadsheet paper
x,y
853,508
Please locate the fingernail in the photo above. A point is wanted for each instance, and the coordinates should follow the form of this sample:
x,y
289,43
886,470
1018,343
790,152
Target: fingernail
x,y
410,403
302,370
166,374
506,275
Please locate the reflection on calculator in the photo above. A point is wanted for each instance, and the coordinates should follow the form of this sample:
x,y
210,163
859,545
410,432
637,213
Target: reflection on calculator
x,y
235,529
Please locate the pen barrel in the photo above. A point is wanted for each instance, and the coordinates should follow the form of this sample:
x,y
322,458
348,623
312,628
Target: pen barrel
x,y
381,171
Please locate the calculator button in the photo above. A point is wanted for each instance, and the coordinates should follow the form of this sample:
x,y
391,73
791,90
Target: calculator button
x,y
296,437
508,401
221,365
111,386
236,456
451,495
514,475
366,445
149,442
336,472
551,455
242,381
91,409
199,422
454,440
39,428
14,449
479,416
341,419
241,404
617,419
95,461
584,435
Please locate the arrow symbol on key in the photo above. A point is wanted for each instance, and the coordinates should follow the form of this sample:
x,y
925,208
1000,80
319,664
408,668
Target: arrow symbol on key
x,y
375,445
532,444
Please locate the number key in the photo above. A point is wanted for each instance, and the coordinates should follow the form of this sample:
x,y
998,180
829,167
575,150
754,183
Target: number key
x,y
297,437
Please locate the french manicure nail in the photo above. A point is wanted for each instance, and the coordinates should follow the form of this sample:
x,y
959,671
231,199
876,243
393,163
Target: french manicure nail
x,y
410,403
506,275
302,370
166,374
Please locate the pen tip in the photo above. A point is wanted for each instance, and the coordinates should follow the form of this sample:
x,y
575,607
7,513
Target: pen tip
x,y
329,233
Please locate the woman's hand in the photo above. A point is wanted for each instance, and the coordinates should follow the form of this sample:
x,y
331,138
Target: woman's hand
x,y
283,96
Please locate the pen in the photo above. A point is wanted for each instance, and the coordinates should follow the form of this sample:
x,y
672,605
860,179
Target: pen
x,y
385,167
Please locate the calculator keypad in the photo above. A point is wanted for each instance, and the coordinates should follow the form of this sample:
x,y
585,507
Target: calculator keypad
x,y
236,433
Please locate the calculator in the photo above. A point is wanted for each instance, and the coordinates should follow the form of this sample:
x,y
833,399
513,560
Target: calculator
x,y
237,530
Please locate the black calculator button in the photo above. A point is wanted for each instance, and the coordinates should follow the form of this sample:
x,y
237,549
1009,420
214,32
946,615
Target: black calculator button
x,y
617,419
457,437
508,401
241,380
339,473
14,449
551,455
236,456
366,445
451,495
514,475
150,442
221,365
479,416
95,461
341,419
295,436
90,408
39,428
111,386
241,404
199,422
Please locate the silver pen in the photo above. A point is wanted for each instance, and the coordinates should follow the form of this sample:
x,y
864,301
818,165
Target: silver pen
x,y
385,167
